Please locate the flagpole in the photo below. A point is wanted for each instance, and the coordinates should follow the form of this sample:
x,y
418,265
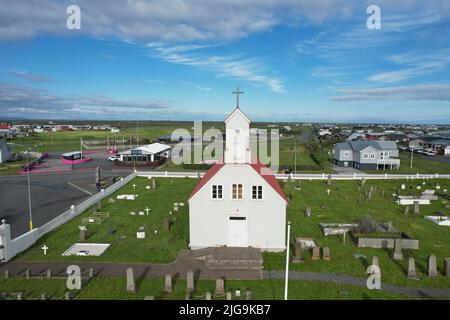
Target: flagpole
x,y
287,261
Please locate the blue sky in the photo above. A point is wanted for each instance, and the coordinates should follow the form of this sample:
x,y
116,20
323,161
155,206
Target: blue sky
x,y
179,60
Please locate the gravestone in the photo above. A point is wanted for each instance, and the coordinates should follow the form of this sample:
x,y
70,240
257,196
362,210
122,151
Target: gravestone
x,y
190,281
188,295
416,207
229,295
27,274
298,252
153,183
149,298
397,250
363,181
91,273
447,267
168,283
329,180
308,212
67,295
6,274
220,286
131,286
19,296
412,274
326,254
316,253
44,296
406,211
432,267
167,224
208,296
83,230
49,273
369,195
248,295
375,261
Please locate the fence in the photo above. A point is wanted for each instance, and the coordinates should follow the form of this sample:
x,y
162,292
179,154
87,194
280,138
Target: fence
x,y
13,247
306,176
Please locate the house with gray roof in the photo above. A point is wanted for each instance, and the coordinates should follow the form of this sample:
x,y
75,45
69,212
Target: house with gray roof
x,y
367,155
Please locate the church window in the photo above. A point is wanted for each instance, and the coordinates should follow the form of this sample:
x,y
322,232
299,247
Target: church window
x,y
257,192
236,191
217,192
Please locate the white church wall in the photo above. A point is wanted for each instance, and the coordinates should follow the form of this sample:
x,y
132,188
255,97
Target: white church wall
x,y
266,219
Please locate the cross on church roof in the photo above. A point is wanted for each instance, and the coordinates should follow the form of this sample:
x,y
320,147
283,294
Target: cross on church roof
x,y
237,93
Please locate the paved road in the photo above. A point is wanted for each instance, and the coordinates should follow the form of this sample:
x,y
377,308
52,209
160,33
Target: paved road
x,y
51,194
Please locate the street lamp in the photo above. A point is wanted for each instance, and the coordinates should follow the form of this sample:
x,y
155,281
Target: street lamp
x,y
29,186
29,190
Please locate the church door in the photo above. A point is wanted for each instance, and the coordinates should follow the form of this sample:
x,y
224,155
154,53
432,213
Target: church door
x,y
237,232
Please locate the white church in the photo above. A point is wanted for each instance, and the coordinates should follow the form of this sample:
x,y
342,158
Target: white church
x,y
238,203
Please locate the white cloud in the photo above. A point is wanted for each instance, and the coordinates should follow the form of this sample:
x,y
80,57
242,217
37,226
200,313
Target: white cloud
x,y
169,20
417,64
20,98
437,92
25,75
236,66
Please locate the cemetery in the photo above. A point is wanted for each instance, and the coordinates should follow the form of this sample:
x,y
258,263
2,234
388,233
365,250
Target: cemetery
x,y
153,228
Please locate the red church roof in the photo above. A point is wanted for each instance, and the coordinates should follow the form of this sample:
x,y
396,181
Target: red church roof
x,y
260,168
268,175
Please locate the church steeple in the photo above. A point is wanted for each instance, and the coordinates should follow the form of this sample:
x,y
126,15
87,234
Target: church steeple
x,y
237,143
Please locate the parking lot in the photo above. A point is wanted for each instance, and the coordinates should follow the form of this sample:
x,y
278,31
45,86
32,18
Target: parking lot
x,y
51,194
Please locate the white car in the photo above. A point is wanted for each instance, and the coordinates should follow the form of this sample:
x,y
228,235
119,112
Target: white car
x,y
113,158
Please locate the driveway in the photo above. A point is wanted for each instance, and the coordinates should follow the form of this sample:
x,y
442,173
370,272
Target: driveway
x,y
345,170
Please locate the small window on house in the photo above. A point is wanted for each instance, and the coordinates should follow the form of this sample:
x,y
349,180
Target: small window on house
x,y
236,191
257,192
217,191
346,154
366,156
372,156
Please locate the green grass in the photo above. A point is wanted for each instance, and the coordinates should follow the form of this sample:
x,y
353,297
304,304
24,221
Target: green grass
x,y
163,247
305,158
339,209
343,205
10,168
113,288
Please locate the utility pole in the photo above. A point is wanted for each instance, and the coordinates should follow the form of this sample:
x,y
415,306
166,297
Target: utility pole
x,y
412,156
137,134
295,154
29,190
287,261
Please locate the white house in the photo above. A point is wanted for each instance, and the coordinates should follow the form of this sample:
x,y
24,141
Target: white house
x,y
5,153
238,203
149,152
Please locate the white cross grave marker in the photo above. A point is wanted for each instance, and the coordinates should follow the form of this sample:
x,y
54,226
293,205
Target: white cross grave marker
x,y
134,187
147,210
45,249
328,191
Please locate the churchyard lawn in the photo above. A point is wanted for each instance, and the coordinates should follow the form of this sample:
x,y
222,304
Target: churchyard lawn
x,y
113,288
345,204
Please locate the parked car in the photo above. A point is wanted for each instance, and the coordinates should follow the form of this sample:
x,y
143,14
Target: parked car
x,y
113,158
